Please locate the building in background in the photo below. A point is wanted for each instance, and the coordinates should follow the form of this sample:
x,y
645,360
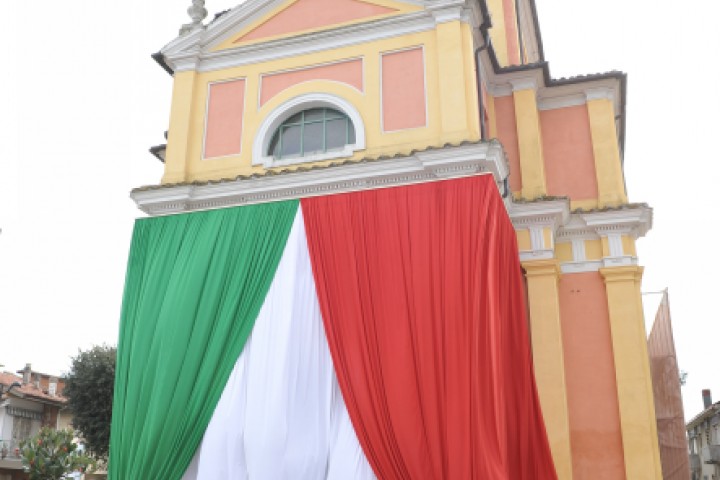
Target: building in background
x,y
29,401
273,100
668,397
704,440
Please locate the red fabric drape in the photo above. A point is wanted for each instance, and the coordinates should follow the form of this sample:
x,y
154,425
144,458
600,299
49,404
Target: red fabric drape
x,y
422,298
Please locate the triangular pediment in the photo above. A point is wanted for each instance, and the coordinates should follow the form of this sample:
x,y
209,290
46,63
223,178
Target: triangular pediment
x,y
268,28
305,15
293,17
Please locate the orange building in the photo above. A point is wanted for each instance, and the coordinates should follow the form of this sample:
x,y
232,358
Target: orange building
x,y
419,90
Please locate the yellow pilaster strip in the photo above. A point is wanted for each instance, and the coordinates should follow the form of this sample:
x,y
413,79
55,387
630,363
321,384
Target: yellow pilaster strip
x,y
548,358
179,133
611,188
497,32
529,141
454,101
632,372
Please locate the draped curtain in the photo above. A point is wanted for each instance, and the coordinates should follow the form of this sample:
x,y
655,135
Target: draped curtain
x,y
281,416
370,334
421,294
195,284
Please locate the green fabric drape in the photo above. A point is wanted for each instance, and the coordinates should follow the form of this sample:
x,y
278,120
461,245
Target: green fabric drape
x,y
195,284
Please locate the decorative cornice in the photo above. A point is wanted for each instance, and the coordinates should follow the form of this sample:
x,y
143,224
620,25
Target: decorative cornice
x,y
178,53
449,10
634,222
625,273
552,103
524,83
448,162
581,267
600,94
542,213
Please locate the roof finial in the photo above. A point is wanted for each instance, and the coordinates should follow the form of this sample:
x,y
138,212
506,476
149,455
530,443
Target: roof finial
x,y
198,13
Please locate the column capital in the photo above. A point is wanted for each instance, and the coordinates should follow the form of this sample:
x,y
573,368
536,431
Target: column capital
x,y
627,273
542,268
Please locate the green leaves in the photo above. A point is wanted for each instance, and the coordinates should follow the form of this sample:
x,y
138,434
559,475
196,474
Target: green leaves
x,y
89,390
53,453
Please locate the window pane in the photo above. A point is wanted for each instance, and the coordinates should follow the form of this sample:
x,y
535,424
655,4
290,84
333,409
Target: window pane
x,y
297,118
333,114
314,114
290,141
336,134
351,133
273,148
313,138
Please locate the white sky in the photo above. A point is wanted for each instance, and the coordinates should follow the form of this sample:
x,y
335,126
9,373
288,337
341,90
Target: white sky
x,y
81,101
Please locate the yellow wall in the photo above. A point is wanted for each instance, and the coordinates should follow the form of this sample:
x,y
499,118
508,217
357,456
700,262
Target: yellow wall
x,y
548,357
451,102
632,367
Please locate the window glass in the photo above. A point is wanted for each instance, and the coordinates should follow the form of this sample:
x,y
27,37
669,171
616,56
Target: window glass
x,y
336,133
314,114
290,140
313,138
297,118
312,131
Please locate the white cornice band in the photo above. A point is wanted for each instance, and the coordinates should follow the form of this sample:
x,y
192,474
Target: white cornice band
x,y
448,162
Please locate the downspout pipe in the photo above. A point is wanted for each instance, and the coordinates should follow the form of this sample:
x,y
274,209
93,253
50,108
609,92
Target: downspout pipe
x,y
478,82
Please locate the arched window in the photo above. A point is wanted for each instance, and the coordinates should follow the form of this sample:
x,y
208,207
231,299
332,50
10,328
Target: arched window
x,y
309,128
311,132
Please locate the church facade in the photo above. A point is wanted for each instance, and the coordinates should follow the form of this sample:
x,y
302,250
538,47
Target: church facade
x,y
287,99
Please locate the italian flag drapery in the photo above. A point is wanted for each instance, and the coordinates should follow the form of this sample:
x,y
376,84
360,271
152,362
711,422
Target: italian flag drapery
x,y
377,334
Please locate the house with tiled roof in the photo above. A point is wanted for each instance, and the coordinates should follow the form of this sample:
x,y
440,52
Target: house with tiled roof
x,y
29,400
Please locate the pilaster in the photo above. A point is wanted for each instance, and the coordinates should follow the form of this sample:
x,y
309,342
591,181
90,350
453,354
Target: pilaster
x,y
180,131
529,135
632,367
453,75
548,358
498,32
608,167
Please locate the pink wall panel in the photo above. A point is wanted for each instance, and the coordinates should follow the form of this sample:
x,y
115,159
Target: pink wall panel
x,y
223,132
350,72
568,152
595,436
507,134
310,14
403,90
511,32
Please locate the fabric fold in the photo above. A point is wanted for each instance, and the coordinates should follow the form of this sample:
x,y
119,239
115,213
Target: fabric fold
x,y
421,295
281,415
195,284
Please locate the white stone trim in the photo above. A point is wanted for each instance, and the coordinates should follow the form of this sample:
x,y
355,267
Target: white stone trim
x,y
581,267
600,94
303,102
449,11
619,261
537,237
549,213
449,162
615,245
524,83
544,254
578,249
554,103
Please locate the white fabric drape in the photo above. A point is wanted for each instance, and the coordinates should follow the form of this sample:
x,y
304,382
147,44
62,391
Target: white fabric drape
x,y
281,415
